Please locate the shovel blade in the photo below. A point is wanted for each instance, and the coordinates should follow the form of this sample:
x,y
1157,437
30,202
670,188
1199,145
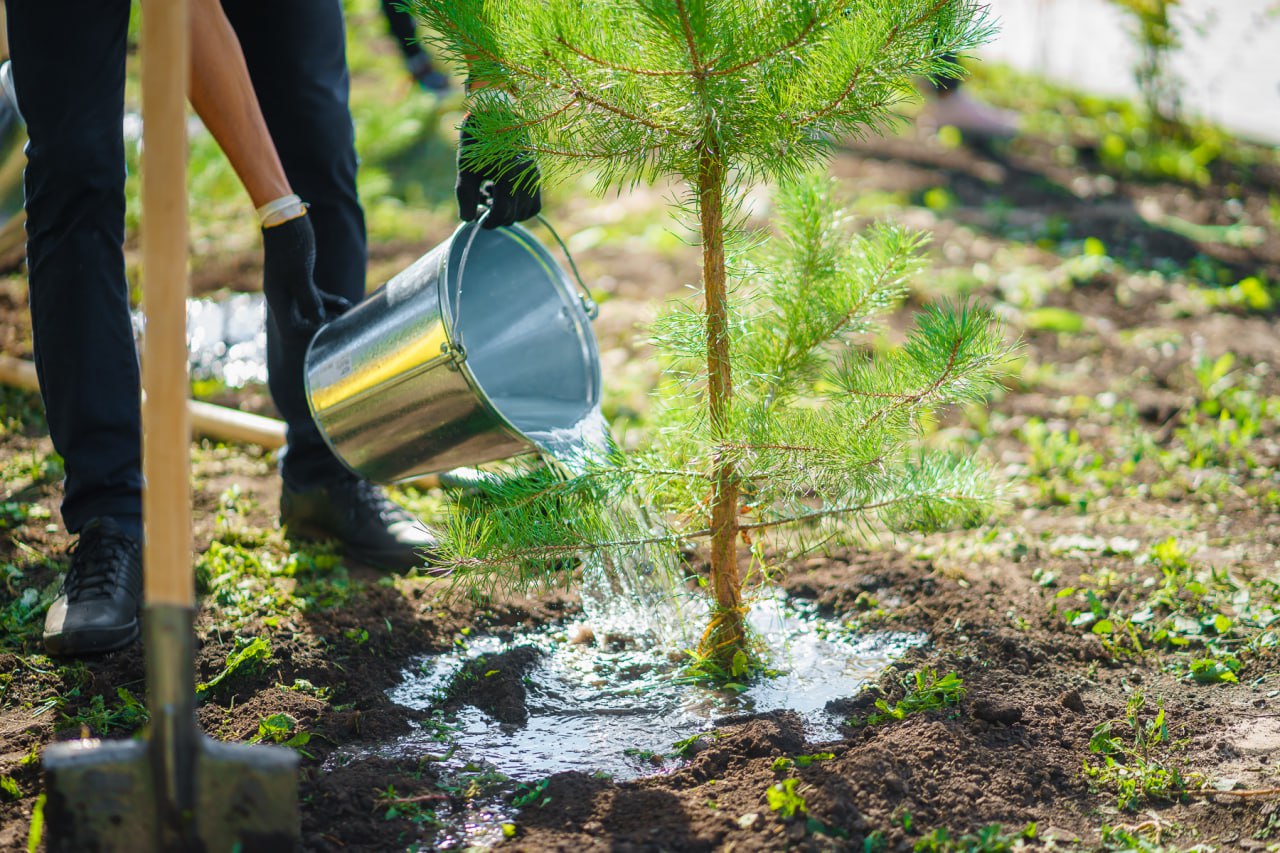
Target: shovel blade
x,y
103,798
100,796
247,797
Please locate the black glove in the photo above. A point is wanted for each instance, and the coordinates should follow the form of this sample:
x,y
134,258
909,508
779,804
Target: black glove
x,y
298,307
509,189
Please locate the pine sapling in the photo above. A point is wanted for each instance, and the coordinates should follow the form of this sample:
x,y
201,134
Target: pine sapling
x,y
724,94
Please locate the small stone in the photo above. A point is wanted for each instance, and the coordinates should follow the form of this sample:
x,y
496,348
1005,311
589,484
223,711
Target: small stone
x,y
593,827
1072,702
750,820
797,830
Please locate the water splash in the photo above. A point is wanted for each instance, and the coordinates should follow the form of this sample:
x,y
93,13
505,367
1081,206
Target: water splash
x,y
616,707
573,436
635,591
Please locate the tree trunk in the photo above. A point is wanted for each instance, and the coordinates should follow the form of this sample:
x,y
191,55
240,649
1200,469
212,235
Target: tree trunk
x,y
726,634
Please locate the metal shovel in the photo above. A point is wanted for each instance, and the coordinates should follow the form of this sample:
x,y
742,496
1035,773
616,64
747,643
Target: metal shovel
x,y
175,790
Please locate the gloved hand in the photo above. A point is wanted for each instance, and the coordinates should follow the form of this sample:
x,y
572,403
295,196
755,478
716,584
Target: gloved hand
x,y
509,190
298,307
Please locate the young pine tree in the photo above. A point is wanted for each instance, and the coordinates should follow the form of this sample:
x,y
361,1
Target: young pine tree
x,y
1157,36
770,418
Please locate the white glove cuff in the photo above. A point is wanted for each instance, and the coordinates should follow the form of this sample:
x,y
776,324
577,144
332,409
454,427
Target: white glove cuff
x,y
281,210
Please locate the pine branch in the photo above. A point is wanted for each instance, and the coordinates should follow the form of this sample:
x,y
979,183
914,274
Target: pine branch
x,y
699,70
576,91
903,400
559,551
756,60
797,350
604,63
579,92
860,509
888,42
711,71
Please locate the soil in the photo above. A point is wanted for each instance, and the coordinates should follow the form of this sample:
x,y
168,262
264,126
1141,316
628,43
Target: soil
x,y
1010,752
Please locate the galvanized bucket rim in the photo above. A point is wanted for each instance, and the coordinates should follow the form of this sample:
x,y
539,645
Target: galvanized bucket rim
x,y
563,289
580,305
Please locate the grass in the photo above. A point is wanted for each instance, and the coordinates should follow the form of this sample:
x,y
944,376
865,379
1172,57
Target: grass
x,y
1210,624
924,691
989,839
1135,764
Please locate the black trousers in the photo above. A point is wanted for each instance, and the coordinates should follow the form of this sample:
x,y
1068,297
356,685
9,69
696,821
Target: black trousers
x,y
69,73
403,28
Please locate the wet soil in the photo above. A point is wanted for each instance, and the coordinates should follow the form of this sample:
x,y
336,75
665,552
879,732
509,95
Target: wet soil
x,y
1010,752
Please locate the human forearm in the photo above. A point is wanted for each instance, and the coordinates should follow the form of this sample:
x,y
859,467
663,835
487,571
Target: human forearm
x,y
223,96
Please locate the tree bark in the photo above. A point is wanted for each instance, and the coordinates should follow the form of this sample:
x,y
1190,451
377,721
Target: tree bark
x,y
726,635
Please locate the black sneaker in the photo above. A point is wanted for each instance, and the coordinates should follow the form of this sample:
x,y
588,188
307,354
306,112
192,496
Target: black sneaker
x,y
367,525
424,72
97,608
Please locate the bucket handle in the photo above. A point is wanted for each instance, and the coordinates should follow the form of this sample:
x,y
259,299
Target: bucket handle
x,y
589,305
454,346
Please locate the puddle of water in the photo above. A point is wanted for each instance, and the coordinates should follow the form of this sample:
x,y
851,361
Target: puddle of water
x,y
610,707
226,338
477,827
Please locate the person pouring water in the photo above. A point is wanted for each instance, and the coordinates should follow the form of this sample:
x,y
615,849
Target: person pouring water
x,y
270,81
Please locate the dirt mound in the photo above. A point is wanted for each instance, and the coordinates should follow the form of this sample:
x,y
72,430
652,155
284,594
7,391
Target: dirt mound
x,y
495,684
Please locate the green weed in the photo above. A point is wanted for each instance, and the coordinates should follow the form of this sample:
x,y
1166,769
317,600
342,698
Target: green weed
x,y
685,748
17,513
302,685
1133,768
282,729
407,808
925,691
22,616
1118,839
1212,620
250,658
35,835
783,763
743,667
21,412
126,714
9,789
532,794
785,800
989,839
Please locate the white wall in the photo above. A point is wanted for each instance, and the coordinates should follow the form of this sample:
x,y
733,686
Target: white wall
x,y
1229,64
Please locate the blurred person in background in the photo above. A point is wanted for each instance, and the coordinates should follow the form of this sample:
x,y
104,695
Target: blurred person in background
x,y
405,32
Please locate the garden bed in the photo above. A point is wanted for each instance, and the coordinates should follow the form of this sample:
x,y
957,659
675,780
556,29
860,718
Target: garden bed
x,y
1135,554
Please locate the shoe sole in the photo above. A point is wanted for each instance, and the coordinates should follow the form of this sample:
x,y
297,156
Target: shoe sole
x,y
97,642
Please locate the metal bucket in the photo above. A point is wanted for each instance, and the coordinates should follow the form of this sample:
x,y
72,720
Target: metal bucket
x,y
13,159
457,360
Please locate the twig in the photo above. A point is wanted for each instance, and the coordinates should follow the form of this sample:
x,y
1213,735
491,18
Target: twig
x,y
405,801
1251,793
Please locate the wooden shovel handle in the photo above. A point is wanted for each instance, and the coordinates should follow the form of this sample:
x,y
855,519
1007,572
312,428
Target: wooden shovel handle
x,y
166,445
